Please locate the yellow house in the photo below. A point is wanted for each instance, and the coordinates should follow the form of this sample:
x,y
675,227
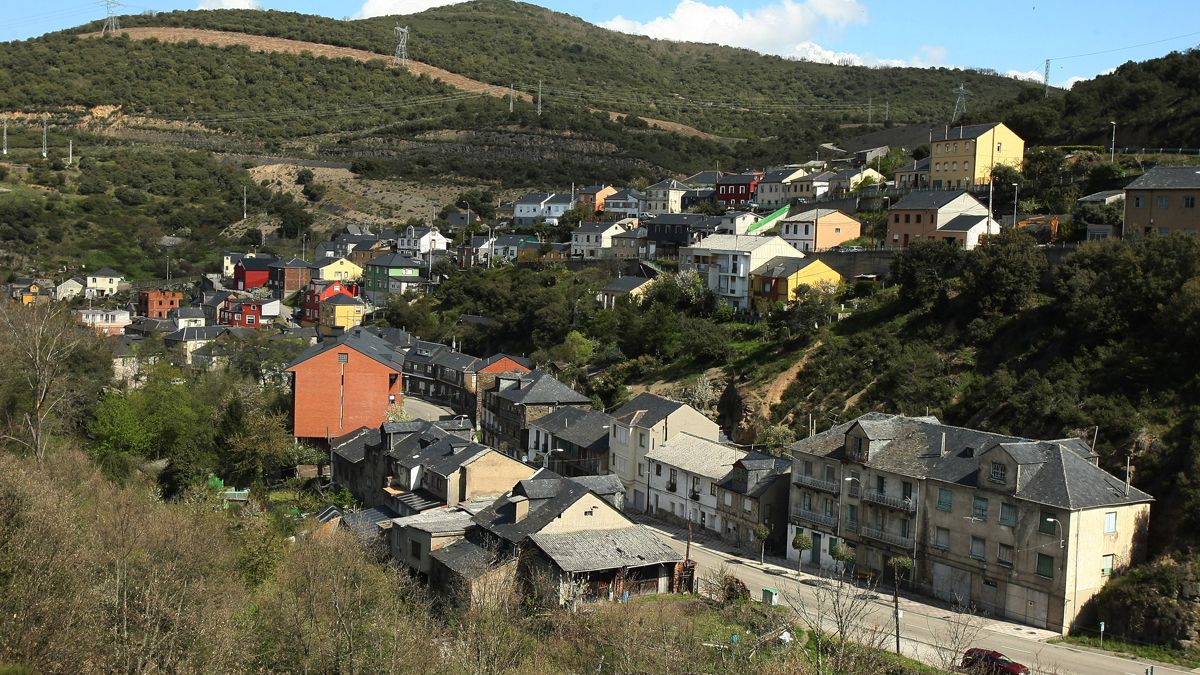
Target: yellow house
x,y
778,280
340,313
340,269
964,156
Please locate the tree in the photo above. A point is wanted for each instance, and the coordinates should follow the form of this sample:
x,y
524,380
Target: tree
x,y
304,177
1003,272
777,437
954,634
925,269
801,542
899,564
762,533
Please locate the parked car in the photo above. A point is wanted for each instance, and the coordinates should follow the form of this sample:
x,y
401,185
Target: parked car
x,y
979,660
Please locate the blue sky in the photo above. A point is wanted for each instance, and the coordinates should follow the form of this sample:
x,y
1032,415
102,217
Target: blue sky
x,y
1014,39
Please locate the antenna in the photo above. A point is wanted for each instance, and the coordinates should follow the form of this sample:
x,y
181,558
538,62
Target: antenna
x,y
401,56
960,105
112,24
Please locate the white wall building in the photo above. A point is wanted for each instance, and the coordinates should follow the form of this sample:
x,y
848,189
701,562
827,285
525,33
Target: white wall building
x,y
725,262
684,473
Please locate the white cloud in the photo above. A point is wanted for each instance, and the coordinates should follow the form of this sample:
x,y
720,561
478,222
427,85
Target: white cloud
x,y
372,8
229,4
1070,82
1031,75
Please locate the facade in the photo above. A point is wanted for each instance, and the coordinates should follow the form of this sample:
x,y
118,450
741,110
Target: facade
x,y
104,321
641,425
755,492
667,234
70,289
230,260
515,401
252,273
623,287
103,283
725,262
158,304
593,196
630,244
849,180
571,442
288,277
964,156
28,291
593,241
344,384
337,269
248,313
813,185
779,279
475,251
627,203
1025,529
684,474
818,229
508,246
914,175
778,188
320,290
340,313
390,274
665,197
950,215
737,189
1162,201
541,207
420,242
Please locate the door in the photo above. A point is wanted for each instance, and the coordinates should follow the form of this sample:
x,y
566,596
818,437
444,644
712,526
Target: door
x,y
951,584
815,556
1026,605
703,519
638,501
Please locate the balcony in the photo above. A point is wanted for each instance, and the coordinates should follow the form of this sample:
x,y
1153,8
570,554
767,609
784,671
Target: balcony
x,y
694,496
887,537
817,484
671,485
898,503
813,517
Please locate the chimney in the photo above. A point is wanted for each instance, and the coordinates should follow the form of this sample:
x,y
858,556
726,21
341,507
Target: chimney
x,y
1127,476
520,506
943,451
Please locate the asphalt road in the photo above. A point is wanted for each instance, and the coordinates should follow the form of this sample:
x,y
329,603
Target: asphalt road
x,y
420,409
922,625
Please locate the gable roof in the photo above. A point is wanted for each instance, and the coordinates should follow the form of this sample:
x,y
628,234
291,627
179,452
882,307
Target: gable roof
x,y
258,264
625,284
733,242
1168,178
928,199
704,178
697,455
964,223
967,131
342,299
547,499
293,263
365,524
812,215
364,342
592,550
394,260
668,184
533,198
738,179
782,267
646,410
465,558
584,428
626,195
539,388
596,227
352,447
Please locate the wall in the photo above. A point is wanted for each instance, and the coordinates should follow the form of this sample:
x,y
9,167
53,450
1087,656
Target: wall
x,y
492,473
1084,578
318,386
573,519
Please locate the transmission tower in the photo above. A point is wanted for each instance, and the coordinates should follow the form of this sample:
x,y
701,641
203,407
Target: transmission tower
x,y
111,23
401,56
960,105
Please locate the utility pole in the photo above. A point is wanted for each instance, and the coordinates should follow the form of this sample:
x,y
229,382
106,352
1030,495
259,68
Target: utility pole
x,y
401,56
887,111
1046,81
539,98
70,152
6,136
244,215
45,122
510,99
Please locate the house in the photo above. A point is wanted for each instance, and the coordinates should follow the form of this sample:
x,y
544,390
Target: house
x,y
572,442
507,246
129,358
755,493
368,525
913,176
818,229
70,289
963,156
639,426
252,273
630,244
1025,529
458,221
157,304
361,249
939,214
593,196
103,283
737,189
340,313
593,241
735,222
665,197
187,317
622,287
541,207
694,198
683,478
779,187
213,303
249,313
420,242
336,269
343,384
1162,201
475,251
725,262
391,274
189,340
28,291
704,180
778,280
229,261
812,186
668,233
1104,197
288,277
627,203
320,290
847,181
515,401
481,377
867,155
104,321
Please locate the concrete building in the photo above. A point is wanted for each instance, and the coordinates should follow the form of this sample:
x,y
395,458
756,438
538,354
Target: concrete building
x,y
516,400
339,313
1020,528
684,474
594,241
1162,201
344,384
665,197
778,280
939,214
104,321
157,304
818,229
779,187
725,262
103,283
963,156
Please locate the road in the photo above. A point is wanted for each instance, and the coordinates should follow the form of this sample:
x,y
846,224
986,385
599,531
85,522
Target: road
x,y
923,624
419,409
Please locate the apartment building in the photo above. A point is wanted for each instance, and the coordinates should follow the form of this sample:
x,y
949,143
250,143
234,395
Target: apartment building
x,y
683,478
1162,201
1025,529
725,262
964,156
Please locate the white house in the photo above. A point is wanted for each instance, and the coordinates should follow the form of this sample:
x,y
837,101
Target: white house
x,y
548,207
665,197
628,203
736,222
103,283
684,473
779,187
70,289
593,241
418,242
725,261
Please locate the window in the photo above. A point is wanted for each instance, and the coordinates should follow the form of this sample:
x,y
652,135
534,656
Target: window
x,y
852,513
642,439
906,490
728,499
1045,565
808,468
1008,515
978,548
918,219
880,484
712,489
907,217
1004,555
1189,202
830,473
674,475
979,508
1137,202
805,501
942,539
414,549
1163,202
999,473
828,504
1046,523
896,218
966,166
621,434
1106,564
1110,522
999,147
945,500
658,469
642,470
747,504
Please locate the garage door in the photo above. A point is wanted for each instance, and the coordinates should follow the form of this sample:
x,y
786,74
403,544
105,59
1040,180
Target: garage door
x,y
1026,605
951,584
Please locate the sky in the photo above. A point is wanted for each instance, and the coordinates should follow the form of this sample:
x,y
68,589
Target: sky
x,y
1083,38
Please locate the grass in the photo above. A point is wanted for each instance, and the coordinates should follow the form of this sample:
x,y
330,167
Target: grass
x,y
1180,657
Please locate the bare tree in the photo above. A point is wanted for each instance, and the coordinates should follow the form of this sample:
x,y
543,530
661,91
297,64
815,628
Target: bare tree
x,y
953,634
840,615
38,343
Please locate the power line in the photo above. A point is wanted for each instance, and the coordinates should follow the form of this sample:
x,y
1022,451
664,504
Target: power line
x,y
111,24
1121,49
401,56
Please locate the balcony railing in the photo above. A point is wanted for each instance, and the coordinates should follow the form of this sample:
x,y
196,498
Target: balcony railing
x,y
671,485
887,537
818,484
898,503
813,517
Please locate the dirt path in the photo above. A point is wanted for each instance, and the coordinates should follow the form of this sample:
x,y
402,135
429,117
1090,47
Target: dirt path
x,y
265,44
781,381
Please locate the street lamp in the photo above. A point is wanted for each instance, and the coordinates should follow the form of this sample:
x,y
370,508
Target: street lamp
x,y
1061,541
1112,151
1016,192
491,244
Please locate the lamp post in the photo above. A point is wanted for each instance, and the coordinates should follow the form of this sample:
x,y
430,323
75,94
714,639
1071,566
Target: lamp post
x,y
1112,151
1061,541
1016,192
491,243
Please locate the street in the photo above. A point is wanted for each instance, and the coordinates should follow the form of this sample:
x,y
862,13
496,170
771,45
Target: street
x,y
419,409
922,623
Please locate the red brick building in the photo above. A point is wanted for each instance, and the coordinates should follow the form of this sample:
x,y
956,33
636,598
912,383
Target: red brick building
x,y
289,276
252,273
320,290
737,189
156,304
344,384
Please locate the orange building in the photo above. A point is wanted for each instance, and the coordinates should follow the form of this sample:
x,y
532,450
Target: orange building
x,y
156,304
344,384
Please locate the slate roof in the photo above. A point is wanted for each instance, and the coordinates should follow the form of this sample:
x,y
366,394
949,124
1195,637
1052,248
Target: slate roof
x,y
595,227
626,195
343,299
437,521
547,499
259,264
697,455
365,523
454,360
533,198
186,313
738,179
199,333
635,233
123,343
362,341
294,263
465,558
514,240
646,410
561,198
927,199
106,272
584,428
732,242
395,260
1168,178
625,284
605,486
539,388
398,338
809,216
918,165
592,550
1102,196
668,184
963,223
352,447
704,178
763,470
966,131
